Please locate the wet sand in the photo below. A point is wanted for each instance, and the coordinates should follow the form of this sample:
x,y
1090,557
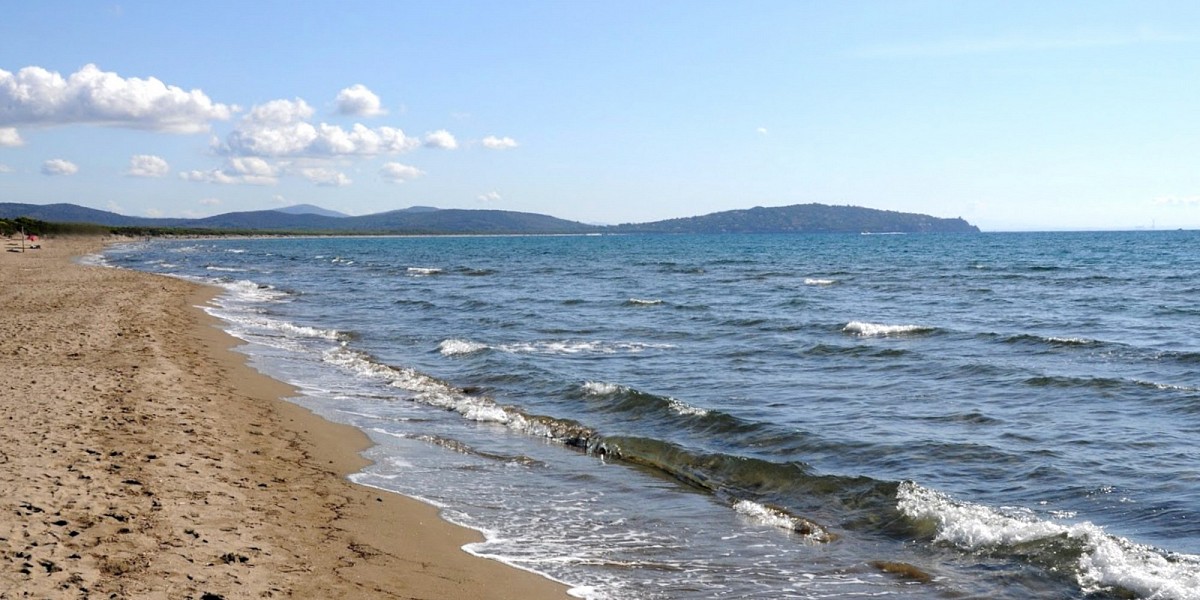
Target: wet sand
x,y
141,458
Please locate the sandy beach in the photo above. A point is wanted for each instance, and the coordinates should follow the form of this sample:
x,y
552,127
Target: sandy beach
x,y
141,458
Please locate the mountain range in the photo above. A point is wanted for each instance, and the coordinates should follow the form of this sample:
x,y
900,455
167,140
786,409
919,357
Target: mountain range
x,y
306,218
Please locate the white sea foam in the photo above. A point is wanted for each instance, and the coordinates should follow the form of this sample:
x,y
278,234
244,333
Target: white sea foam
x,y
601,388
427,390
642,302
423,271
573,347
686,409
878,329
814,281
94,260
455,347
287,329
776,518
225,269
245,289
433,392
764,515
1167,386
1107,561
1070,341
358,363
306,331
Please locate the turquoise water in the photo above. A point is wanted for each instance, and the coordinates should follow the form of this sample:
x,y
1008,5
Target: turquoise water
x,y
1005,415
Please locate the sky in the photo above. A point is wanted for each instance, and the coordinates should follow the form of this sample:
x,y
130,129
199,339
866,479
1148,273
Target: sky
x,y
1014,115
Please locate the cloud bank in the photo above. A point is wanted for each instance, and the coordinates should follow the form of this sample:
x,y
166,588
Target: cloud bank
x,y
34,96
247,170
280,128
266,143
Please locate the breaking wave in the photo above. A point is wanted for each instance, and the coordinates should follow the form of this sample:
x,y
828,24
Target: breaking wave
x,y
864,329
455,347
640,399
1098,561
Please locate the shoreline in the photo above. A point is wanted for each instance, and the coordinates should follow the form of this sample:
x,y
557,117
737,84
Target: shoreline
x,y
155,460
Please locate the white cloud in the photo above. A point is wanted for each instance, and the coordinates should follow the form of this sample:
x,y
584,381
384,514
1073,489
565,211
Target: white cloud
x,y
497,143
210,201
58,166
762,131
147,165
1177,201
10,138
154,213
247,170
325,176
362,140
440,139
280,112
5,168
359,101
399,173
280,128
490,197
35,96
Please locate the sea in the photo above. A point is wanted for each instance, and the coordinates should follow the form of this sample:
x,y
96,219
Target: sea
x,y
992,415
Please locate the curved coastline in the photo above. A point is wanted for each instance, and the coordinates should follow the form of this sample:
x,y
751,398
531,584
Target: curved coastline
x,y
155,460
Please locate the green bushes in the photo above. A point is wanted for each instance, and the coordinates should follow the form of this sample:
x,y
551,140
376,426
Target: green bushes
x,y
10,227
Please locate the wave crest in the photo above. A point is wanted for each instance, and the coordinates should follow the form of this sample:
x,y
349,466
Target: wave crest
x,y
864,329
456,347
1100,562
778,517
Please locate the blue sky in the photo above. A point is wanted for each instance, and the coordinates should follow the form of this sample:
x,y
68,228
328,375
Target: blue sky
x,y
1013,115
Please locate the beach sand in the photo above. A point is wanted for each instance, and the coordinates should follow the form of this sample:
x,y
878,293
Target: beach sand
x,y
141,458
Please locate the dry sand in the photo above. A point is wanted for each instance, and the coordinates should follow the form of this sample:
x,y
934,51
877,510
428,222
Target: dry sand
x,y
141,458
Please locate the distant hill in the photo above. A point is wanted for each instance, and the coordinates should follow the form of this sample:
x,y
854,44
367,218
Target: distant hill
x,y
71,213
800,218
805,218
309,209
468,221
406,221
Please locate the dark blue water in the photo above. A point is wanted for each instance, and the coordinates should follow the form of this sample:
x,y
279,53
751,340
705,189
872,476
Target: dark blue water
x,y
989,415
